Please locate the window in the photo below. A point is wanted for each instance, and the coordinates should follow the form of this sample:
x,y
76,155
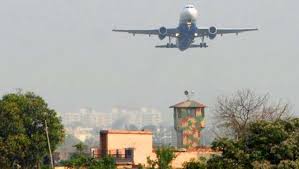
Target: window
x,y
129,153
179,113
192,112
203,112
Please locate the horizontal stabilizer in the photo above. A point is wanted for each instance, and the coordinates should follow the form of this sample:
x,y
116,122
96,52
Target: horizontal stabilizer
x,y
197,46
175,46
166,46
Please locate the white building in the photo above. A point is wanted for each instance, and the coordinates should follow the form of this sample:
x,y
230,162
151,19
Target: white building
x,y
104,120
139,117
70,118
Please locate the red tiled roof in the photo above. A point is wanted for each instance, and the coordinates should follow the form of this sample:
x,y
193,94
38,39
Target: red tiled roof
x,y
189,104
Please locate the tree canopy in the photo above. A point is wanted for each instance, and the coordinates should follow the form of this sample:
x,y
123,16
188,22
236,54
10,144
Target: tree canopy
x,y
23,139
267,144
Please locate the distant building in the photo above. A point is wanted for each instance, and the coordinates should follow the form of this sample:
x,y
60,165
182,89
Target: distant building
x,y
103,120
82,133
188,123
150,117
140,117
70,118
88,117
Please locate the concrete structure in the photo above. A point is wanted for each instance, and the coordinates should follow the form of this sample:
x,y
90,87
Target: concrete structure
x,y
128,147
188,123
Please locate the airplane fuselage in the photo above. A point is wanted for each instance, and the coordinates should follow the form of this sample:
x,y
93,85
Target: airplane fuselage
x,y
187,27
186,36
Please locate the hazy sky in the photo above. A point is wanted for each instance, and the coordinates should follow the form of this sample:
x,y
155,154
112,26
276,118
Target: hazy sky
x,y
65,51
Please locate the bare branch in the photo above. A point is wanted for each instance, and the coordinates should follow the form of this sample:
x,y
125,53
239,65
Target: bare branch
x,y
235,112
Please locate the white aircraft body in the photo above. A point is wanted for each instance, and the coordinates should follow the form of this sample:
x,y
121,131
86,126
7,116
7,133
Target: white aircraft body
x,y
187,31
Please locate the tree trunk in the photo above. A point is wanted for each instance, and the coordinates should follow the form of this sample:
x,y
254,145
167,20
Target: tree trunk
x,y
38,165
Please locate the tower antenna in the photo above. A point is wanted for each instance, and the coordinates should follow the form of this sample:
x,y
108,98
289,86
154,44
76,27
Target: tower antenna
x,y
189,94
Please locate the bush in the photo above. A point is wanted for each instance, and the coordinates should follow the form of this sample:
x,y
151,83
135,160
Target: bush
x,y
195,164
165,155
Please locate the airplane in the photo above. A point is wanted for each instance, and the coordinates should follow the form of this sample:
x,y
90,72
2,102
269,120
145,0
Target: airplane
x,y
187,31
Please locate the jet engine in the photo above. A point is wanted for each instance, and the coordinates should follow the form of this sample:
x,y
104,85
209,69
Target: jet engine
x,y
212,32
162,33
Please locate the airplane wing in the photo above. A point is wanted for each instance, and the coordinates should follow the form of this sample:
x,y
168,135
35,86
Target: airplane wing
x,y
170,32
221,31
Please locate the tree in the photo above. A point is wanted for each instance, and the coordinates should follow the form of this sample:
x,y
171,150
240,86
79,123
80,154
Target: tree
x,y
165,155
67,145
79,160
195,164
22,130
266,145
287,164
234,113
80,147
261,165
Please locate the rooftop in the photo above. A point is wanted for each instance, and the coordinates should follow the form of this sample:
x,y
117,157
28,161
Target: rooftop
x,y
188,104
143,132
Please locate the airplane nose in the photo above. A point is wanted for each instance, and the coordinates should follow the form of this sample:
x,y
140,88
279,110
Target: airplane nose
x,y
189,14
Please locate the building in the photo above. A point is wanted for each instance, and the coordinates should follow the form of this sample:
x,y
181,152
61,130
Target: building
x,y
150,117
82,133
128,147
123,116
88,117
188,123
103,120
70,118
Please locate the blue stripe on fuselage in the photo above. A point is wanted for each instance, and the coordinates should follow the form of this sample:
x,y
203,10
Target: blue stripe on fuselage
x,y
186,35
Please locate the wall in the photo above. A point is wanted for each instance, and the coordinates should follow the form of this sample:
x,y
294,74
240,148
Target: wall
x,y
182,157
142,144
188,123
187,156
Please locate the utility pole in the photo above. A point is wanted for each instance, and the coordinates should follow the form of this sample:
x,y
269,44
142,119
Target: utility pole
x,y
50,152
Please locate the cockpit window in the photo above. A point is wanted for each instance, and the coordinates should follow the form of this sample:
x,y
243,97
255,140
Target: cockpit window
x,y
189,7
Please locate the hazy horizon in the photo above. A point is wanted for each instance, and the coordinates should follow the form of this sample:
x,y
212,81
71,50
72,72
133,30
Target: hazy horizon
x,y
66,52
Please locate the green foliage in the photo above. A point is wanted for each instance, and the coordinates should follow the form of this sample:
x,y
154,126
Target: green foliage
x,y
165,155
68,143
195,164
140,166
80,147
265,145
151,163
287,164
80,160
22,130
261,165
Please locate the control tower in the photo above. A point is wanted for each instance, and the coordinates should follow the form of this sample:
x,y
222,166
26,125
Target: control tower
x,y
188,122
